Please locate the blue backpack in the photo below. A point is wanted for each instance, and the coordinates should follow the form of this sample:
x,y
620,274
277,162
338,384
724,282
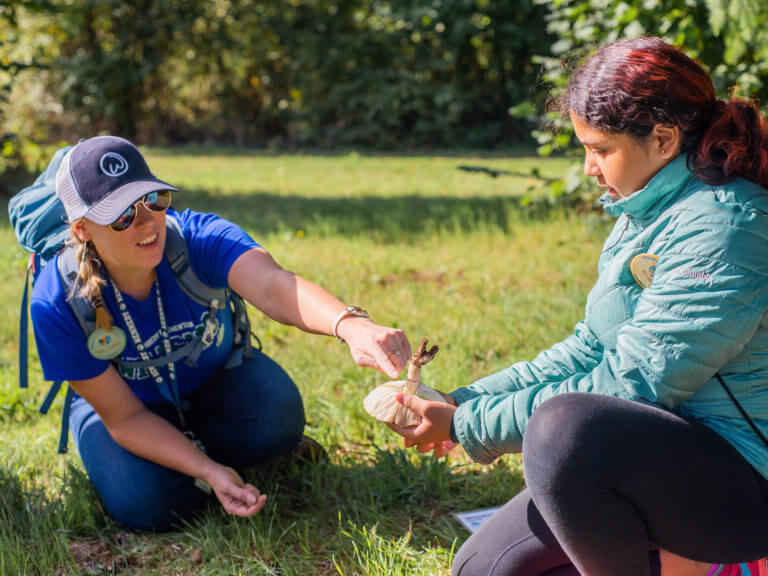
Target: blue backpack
x,y
40,223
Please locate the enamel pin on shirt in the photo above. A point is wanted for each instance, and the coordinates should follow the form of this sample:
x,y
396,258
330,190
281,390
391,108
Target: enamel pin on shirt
x,y
106,344
642,267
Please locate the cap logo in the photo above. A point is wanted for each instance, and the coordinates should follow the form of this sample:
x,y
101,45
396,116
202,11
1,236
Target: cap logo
x,y
113,165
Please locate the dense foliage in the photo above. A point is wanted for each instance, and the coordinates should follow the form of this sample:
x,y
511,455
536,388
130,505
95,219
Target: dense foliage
x,y
342,72
727,36
17,151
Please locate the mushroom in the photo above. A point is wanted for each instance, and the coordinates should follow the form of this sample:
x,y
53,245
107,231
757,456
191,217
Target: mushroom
x,y
381,402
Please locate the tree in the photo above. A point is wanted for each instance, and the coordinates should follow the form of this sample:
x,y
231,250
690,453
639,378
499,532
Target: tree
x,y
17,153
115,54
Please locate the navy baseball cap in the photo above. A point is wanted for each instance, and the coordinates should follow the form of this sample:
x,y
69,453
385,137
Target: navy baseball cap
x,y
101,177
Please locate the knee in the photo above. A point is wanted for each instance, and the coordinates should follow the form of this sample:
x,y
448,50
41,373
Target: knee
x,y
155,508
276,428
560,421
562,435
468,562
287,418
276,401
290,406
573,440
137,517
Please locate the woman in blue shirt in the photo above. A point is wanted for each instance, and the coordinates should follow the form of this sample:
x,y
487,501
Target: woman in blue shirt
x,y
155,438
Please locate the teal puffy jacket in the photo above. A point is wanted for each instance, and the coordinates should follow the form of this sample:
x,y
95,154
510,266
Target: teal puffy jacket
x,y
702,314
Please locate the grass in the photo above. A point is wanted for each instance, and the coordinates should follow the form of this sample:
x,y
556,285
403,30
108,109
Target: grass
x,y
434,250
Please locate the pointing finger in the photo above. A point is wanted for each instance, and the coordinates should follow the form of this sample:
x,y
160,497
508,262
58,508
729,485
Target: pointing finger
x,y
385,364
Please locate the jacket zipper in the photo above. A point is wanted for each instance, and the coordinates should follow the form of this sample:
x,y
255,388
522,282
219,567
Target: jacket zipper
x,y
620,235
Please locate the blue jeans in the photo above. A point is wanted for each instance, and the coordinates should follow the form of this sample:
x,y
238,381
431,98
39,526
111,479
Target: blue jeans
x,y
244,416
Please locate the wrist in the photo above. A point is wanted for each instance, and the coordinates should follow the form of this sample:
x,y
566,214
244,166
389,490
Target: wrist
x,y
208,471
349,326
452,432
450,400
343,317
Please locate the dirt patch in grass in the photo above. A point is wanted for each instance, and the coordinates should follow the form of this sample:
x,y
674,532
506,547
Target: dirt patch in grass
x,y
97,555
125,553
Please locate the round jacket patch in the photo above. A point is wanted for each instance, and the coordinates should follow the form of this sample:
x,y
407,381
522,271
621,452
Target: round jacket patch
x,y
642,267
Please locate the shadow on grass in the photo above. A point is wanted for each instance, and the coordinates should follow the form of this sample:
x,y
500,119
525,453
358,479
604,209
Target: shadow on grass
x,y
385,218
396,490
370,506
32,529
376,512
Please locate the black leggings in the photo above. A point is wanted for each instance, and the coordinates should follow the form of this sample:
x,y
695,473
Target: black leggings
x,y
611,481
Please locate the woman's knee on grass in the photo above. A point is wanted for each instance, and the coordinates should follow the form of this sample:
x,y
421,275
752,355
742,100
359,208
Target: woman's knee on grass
x,y
274,427
155,505
286,421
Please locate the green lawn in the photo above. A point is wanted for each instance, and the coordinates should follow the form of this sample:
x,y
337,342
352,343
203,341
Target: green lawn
x,y
424,246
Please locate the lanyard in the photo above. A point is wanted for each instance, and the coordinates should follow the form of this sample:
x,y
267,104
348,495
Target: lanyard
x,y
169,390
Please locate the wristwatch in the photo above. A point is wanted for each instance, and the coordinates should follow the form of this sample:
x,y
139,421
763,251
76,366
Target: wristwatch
x,y
348,311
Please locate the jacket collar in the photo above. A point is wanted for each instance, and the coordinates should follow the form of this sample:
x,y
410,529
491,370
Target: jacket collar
x,y
662,189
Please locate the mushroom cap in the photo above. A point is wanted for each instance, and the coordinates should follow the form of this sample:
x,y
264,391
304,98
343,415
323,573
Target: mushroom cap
x,y
381,402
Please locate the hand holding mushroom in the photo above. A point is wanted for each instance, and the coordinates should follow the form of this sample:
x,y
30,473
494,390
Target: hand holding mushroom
x,y
417,412
434,430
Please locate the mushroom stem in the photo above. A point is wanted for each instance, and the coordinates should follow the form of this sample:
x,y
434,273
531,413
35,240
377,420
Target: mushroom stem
x,y
419,358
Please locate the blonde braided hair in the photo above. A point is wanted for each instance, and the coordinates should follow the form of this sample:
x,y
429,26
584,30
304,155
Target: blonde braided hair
x,y
90,279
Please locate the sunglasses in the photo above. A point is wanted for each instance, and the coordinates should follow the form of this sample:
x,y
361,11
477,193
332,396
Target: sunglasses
x,y
154,202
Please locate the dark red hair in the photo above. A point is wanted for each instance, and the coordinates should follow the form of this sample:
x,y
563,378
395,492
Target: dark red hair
x,y
629,86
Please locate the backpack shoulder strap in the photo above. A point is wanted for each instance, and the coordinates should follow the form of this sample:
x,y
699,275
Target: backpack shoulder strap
x,y
178,257
67,267
176,252
212,298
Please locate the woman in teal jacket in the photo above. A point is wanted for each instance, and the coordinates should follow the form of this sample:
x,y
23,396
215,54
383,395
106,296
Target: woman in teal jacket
x,y
631,440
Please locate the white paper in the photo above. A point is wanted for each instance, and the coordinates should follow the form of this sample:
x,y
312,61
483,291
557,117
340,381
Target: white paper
x,y
473,519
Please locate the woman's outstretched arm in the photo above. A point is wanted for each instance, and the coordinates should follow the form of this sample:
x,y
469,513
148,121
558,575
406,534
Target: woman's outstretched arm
x,y
290,299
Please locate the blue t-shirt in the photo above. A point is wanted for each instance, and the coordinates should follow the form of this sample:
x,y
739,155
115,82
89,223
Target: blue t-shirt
x,y
213,245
